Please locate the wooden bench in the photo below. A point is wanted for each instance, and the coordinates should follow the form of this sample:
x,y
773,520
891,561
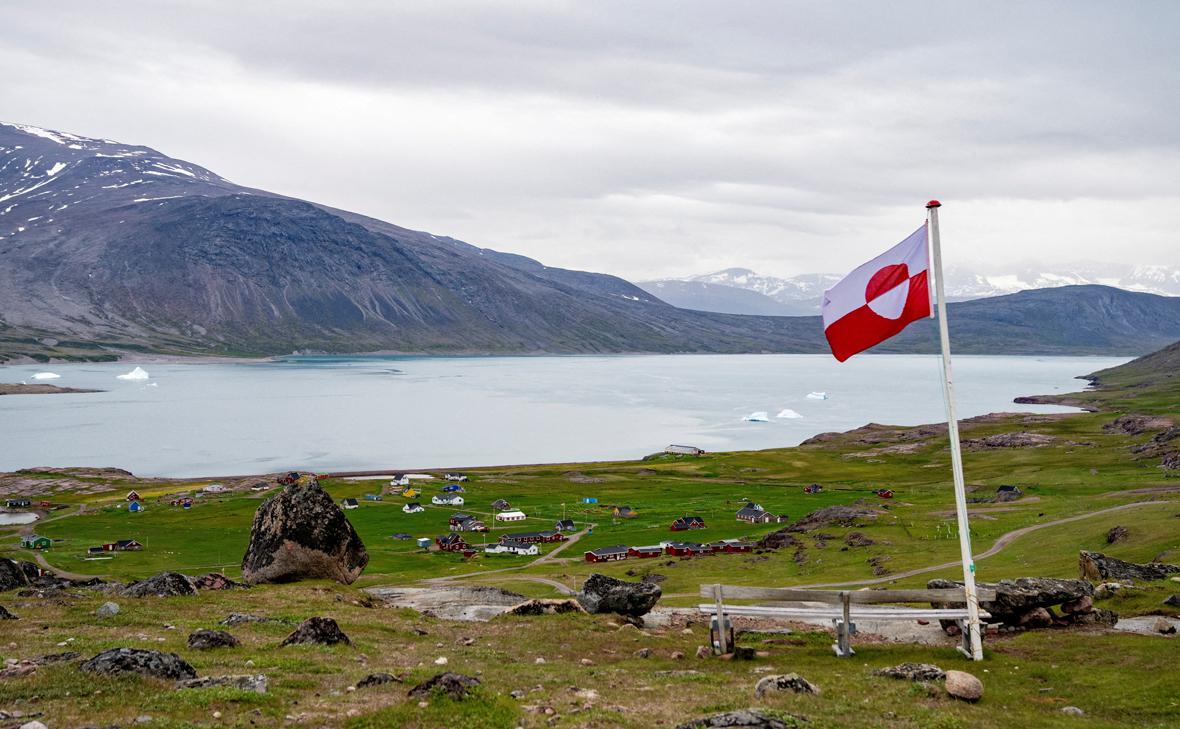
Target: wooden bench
x,y
843,607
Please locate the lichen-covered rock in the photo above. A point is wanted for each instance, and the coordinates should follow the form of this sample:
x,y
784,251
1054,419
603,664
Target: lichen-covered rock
x,y
324,631
207,639
107,610
602,594
165,584
1117,534
963,685
255,682
913,672
1096,566
134,660
239,618
744,718
377,679
455,685
785,682
1015,598
300,533
546,607
216,581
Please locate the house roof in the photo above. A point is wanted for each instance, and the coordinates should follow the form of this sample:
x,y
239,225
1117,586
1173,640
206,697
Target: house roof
x,y
602,551
565,522
350,501
515,543
125,542
648,549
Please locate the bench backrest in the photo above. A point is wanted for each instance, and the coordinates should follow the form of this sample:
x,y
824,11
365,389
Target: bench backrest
x,y
836,597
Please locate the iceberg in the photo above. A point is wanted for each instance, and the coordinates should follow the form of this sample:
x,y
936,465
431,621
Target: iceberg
x,y
46,376
817,396
138,373
788,413
758,417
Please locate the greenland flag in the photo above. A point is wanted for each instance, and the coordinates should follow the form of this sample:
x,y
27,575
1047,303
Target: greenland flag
x,y
878,299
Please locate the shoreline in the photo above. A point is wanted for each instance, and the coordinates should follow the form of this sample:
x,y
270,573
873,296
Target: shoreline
x,y
40,389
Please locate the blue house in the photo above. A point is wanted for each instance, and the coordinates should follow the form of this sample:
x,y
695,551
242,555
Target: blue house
x,y
136,506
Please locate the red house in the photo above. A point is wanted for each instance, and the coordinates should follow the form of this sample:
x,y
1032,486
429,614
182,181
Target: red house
x,y
685,523
686,549
607,554
453,542
732,546
534,537
644,552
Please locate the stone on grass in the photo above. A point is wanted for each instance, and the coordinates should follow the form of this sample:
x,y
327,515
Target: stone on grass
x,y
546,607
1117,534
784,682
324,631
206,639
745,718
602,594
963,685
1172,601
34,724
1072,711
300,533
1097,566
240,618
377,679
216,581
643,653
165,584
1163,626
913,672
146,662
1036,618
455,685
107,609
248,682
5,615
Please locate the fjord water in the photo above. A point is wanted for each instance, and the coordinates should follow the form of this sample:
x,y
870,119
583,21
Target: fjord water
x,y
368,413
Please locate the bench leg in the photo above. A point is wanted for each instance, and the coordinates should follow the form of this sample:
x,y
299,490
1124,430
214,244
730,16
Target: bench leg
x,y
965,639
843,645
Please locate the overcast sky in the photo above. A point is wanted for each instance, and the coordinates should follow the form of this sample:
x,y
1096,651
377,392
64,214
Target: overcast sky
x,y
650,138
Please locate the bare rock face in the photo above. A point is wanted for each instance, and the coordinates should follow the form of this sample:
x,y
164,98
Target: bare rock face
x,y
963,685
602,594
744,718
455,685
1097,566
300,533
786,682
317,630
255,683
165,584
913,672
12,575
134,660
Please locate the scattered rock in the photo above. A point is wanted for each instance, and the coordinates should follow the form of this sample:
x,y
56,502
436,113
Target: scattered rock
x,y
677,655
455,685
857,539
1106,590
324,631
377,679
546,607
12,575
1117,534
784,682
1009,440
835,515
57,658
1095,566
216,581
1136,424
255,683
602,594
1163,626
5,615
301,533
1036,618
207,639
1072,711
107,609
165,584
1172,601
134,660
1097,616
643,653
745,718
913,672
240,618
1075,607
703,651
33,725
963,685
653,578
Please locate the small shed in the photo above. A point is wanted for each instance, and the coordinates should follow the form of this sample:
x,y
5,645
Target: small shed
x,y
683,450
372,497
424,543
625,512
349,503
565,525
133,496
136,506
413,508
589,499
35,541
501,504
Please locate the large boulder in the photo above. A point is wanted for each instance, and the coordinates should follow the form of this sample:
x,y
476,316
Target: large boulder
x,y
301,533
1015,598
1097,566
324,631
12,575
602,594
207,639
791,682
134,660
165,584
963,685
454,685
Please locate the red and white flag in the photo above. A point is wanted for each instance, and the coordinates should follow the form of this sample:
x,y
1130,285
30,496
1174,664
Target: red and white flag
x,y
878,299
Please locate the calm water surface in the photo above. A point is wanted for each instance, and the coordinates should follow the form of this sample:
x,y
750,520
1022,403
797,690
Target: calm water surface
x,y
335,413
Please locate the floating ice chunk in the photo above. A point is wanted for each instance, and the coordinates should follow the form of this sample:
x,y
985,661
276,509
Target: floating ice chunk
x,y
817,396
758,417
138,373
46,376
788,413
152,384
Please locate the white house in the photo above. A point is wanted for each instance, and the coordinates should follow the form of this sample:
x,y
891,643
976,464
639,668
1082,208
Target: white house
x,y
447,500
512,515
215,488
684,450
349,503
413,508
512,547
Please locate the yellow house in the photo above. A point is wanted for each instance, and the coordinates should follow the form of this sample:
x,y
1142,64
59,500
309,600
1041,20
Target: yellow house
x,y
410,493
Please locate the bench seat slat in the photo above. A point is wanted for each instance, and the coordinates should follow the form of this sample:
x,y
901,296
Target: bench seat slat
x,y
860,614
864,597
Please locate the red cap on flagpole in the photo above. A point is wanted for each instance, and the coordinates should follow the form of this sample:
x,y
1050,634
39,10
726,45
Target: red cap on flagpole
x,y
934,204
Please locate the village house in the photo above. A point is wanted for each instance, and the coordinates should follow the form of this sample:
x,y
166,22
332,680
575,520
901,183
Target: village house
x,y
410,493
452,542
565,525
686,549
447,500
215,488
372,497
35,541
413,508
349,503
467,523
533,537
732,546
453,488
123,545
18,503
625,512
683,450
513,515
685,523
133,496
501,504
457,477
91,551
753,514
607,554
136,507
644,552
512,547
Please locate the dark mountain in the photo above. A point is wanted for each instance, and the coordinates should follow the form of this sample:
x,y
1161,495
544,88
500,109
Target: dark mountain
x,y
110,246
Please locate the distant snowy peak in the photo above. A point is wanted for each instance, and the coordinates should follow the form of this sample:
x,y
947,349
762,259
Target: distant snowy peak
x,y
797,288
963,283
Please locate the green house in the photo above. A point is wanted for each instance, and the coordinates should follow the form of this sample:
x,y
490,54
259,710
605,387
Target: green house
x,y
34,541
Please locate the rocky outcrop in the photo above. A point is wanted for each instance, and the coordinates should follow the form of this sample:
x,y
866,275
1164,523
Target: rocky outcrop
x,y
12,575
913,672
255,683
857,539
1117,534
964,686
602,594
207,639
5,615
792,682
1026,596
324,631
751,718
134,660
455,685
546,607
778,539
165,584
835,515
239,618
301,533
1096,566
1009,440
216,581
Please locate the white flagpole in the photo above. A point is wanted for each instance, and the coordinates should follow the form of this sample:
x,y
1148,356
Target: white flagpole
x,y
956,454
